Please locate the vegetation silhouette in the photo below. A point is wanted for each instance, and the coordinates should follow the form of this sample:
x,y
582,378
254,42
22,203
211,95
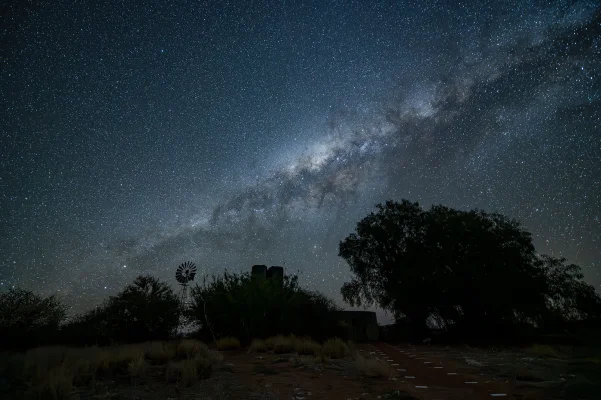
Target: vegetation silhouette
x,y
147,309
27,319
238,305
465,273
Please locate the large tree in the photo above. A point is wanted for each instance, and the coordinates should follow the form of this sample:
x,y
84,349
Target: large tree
x,y
462,270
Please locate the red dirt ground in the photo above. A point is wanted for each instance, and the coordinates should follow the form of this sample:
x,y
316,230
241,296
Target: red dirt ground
x,y
448,382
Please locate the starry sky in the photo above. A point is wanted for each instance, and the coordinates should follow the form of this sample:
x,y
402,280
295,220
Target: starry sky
x,y
230,133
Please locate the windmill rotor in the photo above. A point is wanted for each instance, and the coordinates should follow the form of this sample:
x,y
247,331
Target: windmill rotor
x,y
185,273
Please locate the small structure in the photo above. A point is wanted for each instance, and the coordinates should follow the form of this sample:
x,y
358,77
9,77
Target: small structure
x,y
358,326
277,274
259,272
262,272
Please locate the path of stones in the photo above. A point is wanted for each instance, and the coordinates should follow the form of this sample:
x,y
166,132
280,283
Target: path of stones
x,y
428,377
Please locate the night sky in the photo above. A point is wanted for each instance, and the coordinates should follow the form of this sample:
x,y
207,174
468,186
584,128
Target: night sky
x,y
136,137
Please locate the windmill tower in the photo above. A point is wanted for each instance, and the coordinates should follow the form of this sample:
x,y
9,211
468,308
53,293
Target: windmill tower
x,y
184,274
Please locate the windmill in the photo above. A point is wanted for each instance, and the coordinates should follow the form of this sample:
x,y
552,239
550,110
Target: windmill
x,y
184,274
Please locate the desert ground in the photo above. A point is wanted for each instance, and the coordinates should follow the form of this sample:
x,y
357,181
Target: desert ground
x,y
192,370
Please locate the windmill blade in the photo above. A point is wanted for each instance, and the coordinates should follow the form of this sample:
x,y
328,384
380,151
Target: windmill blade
x,y
185,272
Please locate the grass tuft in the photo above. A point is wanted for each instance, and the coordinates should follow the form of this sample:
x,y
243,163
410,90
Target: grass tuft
x,y
189,348
307,347
160,352
335,348
372,367
282,344
189,371
136,368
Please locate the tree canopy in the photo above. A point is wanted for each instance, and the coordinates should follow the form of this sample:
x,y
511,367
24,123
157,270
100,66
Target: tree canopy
x,y
238,305
146,309
27,319
461,270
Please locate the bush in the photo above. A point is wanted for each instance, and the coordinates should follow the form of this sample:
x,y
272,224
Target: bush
x,y
335,348
28,320
238,306
189,348
190,370
147,309
281,344
160,352
307,347
228,343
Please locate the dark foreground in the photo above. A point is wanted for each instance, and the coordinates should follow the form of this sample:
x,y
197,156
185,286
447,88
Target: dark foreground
x,y
165,370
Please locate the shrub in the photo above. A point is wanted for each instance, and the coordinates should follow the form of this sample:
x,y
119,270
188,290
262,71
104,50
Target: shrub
x,y
228,343
282,344
258,346
189,348
147,309
160,352
189,371
28,320
307,347
372,367
237,305
335,348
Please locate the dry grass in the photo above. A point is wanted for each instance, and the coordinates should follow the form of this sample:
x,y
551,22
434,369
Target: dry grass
x,y
332,348
335,348
307,347
136,368
116,359
189,348
543,350
258,346
282,344
189,371
228,343
56,384
160,352
372,367
53,372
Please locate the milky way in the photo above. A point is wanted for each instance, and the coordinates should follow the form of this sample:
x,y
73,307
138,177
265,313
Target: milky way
x,y
138,137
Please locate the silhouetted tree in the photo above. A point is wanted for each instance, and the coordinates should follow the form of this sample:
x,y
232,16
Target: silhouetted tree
x,y
467,271
27,319
237,305
569,298
147,309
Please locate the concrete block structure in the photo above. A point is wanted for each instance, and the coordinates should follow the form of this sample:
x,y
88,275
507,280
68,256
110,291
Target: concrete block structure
x,y
259,272
262,272
277,274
